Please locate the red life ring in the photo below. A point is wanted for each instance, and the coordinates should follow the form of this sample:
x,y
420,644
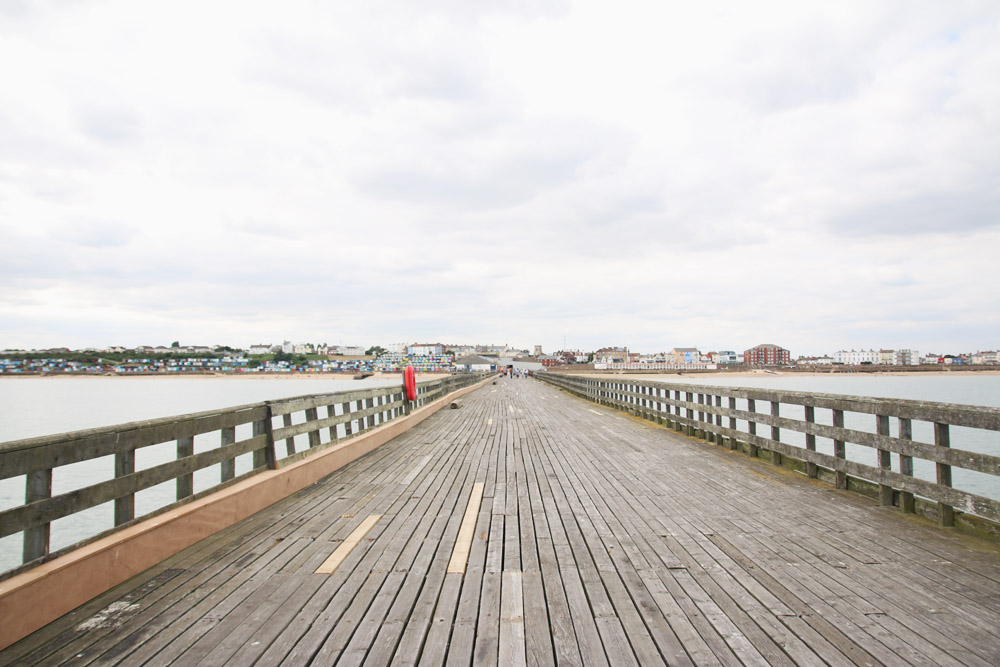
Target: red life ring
x,y
410,383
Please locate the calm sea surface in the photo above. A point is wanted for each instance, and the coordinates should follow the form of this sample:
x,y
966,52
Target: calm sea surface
x,y
32,407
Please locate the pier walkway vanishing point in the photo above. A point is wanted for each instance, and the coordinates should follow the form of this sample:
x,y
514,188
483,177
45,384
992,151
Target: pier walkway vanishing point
x,y
532,527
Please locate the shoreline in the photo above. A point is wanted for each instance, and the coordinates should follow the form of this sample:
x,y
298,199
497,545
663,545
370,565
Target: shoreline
x,y
223,376
960,370
789,373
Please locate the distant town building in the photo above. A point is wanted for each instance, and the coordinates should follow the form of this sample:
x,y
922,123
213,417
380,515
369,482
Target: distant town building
x,y
989,357
725,357
612,355
498,351
856,357
520,364
767,355
475,363
538,351
423,349
550,360
684,355
460,351
346,350
825,360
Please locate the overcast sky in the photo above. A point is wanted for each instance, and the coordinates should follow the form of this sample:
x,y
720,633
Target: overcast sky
x,y
649,174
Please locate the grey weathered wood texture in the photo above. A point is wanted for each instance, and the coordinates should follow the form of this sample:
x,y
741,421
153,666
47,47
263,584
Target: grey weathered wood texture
x,y
601,539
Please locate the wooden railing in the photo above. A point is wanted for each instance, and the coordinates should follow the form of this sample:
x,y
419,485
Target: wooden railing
x,y
851,429
241,441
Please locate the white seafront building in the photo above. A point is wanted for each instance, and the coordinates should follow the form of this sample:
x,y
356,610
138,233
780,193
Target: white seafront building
x,y
855,357
989,357
902,357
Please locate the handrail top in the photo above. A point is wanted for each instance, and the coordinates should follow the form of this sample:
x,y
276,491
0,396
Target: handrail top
x,y
956,414
85,434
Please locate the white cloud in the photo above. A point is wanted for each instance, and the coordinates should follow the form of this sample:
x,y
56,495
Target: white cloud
x,y
649,174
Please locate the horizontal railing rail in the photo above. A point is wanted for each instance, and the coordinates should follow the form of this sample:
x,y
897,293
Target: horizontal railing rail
x,y
729,416
240,441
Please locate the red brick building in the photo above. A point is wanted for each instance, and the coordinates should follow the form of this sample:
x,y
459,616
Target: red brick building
x,y
767,355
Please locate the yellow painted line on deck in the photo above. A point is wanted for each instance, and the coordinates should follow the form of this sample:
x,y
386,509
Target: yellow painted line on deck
x,y
330,565
460,555
596,412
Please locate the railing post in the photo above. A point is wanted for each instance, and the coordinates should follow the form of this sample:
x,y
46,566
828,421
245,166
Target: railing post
x,y
347,424
228,465
752,428
185,483
689,398
286,421
840,451
701,418
312,414
38,486
942,438
124,506
884,462
265,456
719,439
812,470
906,502
732,423
775,433
678,411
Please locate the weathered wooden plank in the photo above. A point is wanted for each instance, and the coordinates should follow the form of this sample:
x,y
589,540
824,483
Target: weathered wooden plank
x,y
466,533
330,565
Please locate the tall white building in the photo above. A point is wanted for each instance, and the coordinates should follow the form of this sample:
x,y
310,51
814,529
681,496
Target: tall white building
x,y
989,357
726,357
855,357
425,349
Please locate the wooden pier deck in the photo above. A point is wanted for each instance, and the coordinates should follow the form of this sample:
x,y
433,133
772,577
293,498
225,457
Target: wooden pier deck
x,y
599,539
